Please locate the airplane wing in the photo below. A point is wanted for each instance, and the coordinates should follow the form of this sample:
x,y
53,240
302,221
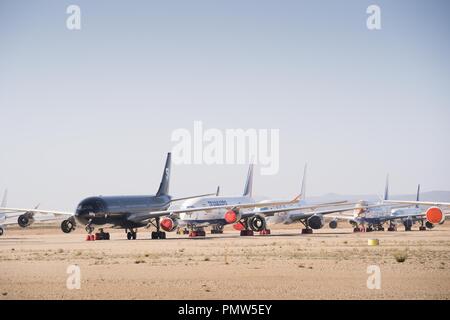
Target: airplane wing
x,y
155,214
313,208
305,215
34,210
425,203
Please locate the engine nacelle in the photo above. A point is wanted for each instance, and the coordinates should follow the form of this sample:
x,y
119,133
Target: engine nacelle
x,y
25,220
168,224
232,216
316,221
333,224
67,226
429,225
257,223
435,215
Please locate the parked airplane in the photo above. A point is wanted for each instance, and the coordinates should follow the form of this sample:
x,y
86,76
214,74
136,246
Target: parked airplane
x,y
241,211
433,215
132,212
386,211
3,213
308,214
127,212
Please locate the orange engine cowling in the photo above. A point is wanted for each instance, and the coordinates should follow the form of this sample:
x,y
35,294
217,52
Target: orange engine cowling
x,y
238,226
167,224
435,215
231,216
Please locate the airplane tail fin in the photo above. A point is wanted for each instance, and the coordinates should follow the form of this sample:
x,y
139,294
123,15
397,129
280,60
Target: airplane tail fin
x,y
418,195
386,189
5,199
303,188
164,186
249,182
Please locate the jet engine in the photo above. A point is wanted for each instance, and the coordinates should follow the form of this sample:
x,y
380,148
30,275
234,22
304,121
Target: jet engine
x,y
316,221
435,216
333,224
232,216
26,219
68,225
168,224
257,223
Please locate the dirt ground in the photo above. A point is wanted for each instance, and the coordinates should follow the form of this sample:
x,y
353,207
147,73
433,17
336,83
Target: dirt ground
x,y
329,264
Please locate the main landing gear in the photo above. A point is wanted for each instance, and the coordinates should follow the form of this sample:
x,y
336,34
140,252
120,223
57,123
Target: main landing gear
x,y
217,229
101,235
422,227
307,229
158,234
254,224
198,232
392,227
131,234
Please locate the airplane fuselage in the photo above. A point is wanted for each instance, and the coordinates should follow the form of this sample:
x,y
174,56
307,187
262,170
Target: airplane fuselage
x,y
117,210
205,218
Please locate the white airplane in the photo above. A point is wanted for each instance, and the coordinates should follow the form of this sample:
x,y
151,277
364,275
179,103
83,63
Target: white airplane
x,y
12,217
3,222
308,214
433,215
387,211
241,211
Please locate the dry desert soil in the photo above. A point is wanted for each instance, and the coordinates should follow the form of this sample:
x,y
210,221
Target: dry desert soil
x,y
329,264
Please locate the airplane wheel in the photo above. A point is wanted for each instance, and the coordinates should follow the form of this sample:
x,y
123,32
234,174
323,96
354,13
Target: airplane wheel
x,y
422,228
129,235
1,232
107,237
162,235
407,228
134,235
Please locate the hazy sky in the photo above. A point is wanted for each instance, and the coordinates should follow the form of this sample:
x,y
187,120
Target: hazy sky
x,y
91,112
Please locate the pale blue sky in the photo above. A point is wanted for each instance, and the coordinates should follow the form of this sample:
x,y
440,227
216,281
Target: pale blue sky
x,y
91,112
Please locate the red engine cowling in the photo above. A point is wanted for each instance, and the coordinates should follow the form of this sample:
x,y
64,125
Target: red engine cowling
x,y
238,226
435,215
231,216
168,224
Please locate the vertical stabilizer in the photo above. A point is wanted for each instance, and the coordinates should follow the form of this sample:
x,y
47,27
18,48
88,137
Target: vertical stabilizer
x,y
4,199
303,187
164,186
418,195
249,183
386,189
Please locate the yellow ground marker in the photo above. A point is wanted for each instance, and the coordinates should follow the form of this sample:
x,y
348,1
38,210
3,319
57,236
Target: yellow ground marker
x,y
373,242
